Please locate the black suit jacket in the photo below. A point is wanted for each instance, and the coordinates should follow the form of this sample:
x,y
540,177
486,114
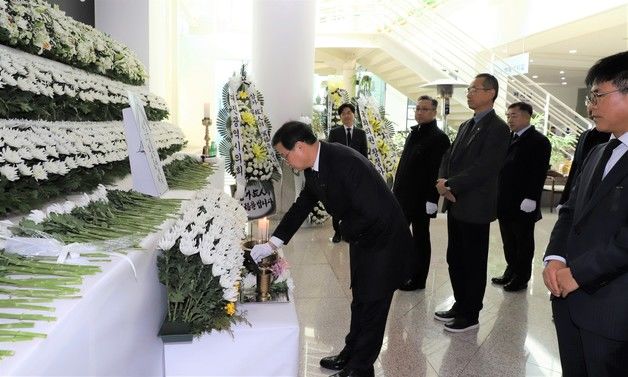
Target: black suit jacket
x,y
358,138
371,219
523,175
471,167
587,140
418,169
592,235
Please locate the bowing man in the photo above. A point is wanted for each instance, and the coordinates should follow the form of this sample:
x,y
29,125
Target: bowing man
x,y
370,218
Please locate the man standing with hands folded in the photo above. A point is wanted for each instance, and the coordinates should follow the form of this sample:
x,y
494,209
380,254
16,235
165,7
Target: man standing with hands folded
x,y
587,257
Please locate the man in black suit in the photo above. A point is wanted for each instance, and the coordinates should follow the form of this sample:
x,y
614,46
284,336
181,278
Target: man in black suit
x,y
350,136
468,182
370,218
414,186
520,187
587,256
587,140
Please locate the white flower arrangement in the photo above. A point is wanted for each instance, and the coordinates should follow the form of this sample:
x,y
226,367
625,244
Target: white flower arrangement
x,y
39,148
211,225
37,26
41,76
379,136
99,195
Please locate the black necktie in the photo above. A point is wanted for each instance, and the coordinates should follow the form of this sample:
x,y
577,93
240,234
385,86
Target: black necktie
x,y
514,138
348,136
465,136
601,165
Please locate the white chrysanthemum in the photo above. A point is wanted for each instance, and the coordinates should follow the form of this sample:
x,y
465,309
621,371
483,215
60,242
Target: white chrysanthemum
x,y
36,216
83,200
55,208
39,173
9,172
12,156
25,170
167,242
187,244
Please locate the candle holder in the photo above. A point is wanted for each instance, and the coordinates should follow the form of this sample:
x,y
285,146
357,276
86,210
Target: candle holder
x,y
264,280
208,151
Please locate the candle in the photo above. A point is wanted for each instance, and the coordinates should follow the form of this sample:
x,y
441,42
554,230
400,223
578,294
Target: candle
x,y
207,110
262,229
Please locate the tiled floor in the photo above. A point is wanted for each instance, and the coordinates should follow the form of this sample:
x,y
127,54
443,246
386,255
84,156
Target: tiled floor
x,y
516,335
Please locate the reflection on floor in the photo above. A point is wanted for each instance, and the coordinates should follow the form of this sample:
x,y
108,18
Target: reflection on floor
x,y
516,335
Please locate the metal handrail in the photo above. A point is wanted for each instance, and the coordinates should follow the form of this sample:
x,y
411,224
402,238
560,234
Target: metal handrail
x,y
438,42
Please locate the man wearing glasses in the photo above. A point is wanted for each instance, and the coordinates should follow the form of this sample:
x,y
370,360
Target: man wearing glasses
x,y
414,186
370,219
587,257
468,181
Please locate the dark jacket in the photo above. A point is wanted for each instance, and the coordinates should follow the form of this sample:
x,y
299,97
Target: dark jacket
x,y
418,169
592,235
471,167
587,140
523,175
355,193
358,138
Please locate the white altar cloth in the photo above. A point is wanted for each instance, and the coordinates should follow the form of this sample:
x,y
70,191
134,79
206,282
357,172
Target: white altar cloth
x,y
110,331
269,347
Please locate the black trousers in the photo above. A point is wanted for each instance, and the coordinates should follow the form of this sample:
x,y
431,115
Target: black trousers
x,y
419,262
366,332
334,223
583,353
467,257
518,241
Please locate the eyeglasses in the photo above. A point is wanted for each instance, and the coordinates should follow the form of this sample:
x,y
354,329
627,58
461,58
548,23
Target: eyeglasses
x,y
285,158
592,98
423,109
473,89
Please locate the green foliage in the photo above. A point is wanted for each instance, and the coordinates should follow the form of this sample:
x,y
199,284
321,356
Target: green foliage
x,y
27,193
562,148
195,296
127,213
18,104
187,174
47,32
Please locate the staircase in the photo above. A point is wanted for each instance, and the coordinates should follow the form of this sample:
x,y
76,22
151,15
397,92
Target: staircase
x,y
407,44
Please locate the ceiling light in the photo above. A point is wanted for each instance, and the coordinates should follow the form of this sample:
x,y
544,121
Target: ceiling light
x,y
561,72
562,78
531,60
535,76
564,83
573,51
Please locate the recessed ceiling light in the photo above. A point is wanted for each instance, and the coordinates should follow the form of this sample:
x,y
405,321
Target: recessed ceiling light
x,y
561,72
573,51
564,83
535,76
562,78
531,60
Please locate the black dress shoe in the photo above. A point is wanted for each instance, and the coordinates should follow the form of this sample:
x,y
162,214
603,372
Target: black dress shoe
x,y
515,286
446,315
411,285
502,280
461,325
336,362
355,373
336,238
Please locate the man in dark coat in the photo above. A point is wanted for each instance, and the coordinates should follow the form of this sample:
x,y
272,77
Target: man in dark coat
x,y
370,219
587,256
587,140
350,136
518,203
468,182
414,186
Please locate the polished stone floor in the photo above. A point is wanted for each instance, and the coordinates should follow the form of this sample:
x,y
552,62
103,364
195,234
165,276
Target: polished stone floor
x,y
516,336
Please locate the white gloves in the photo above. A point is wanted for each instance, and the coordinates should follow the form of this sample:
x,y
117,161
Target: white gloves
x,y
430,208
263,250
528,205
